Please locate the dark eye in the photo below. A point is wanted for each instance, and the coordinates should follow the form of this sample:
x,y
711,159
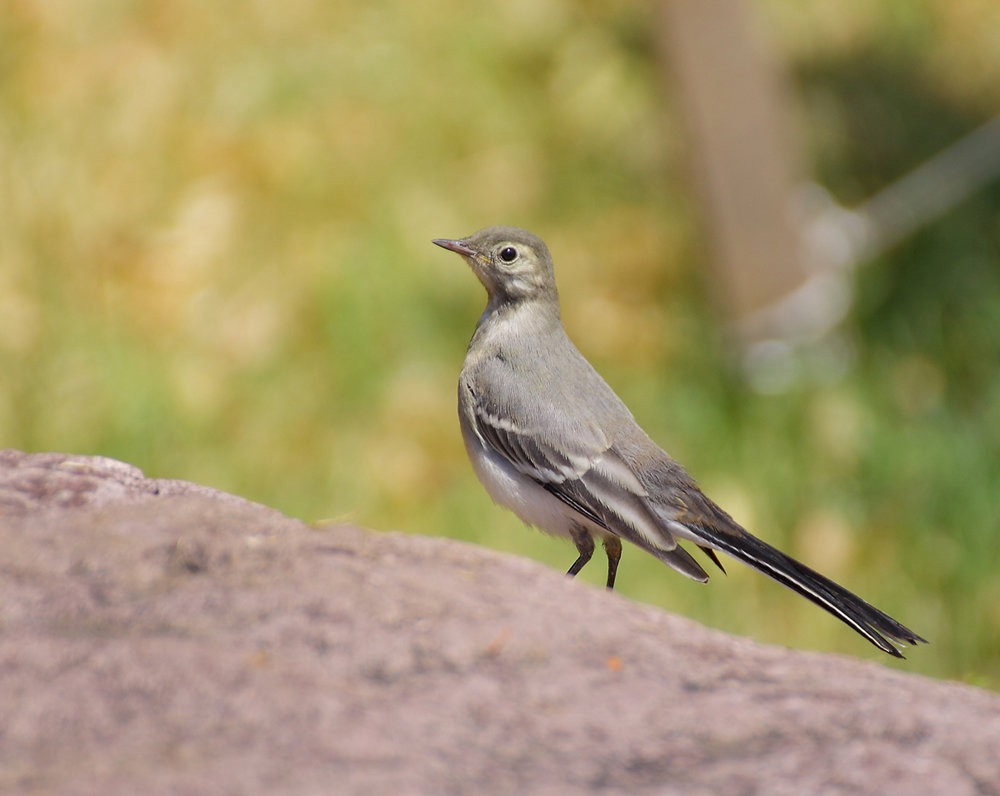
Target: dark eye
x,y
508,254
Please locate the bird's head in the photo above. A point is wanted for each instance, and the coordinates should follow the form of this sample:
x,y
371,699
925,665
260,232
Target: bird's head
x,y
512,264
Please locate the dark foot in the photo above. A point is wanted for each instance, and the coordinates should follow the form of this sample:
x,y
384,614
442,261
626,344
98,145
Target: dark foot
x,y
584,546
613,547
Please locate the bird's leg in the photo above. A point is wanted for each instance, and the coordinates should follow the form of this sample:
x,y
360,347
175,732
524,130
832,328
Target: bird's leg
x,y
613,547
585,546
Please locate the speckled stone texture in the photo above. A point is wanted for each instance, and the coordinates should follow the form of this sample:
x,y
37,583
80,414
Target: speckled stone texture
x,y
159,637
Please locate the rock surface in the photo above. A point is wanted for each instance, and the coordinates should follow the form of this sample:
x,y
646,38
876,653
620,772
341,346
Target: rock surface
x,y
160,637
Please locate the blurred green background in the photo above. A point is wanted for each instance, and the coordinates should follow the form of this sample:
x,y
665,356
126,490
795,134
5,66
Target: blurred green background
x,y
215,263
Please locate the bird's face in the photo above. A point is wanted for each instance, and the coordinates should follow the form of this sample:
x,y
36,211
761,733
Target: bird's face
x,y
512,264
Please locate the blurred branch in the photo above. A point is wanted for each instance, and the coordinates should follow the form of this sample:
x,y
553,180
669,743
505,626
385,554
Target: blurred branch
x,y
734,103
783,249
851,237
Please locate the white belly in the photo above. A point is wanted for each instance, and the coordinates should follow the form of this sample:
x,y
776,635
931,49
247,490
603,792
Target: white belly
x,y
514,491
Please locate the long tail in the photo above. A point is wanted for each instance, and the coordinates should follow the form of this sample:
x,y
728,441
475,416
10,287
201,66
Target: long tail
x,y
879,628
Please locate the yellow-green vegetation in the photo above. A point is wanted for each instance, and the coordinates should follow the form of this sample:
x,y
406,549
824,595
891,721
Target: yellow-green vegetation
x,y
215,263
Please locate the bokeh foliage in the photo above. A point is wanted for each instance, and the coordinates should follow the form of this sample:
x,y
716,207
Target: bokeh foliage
x,y
215,264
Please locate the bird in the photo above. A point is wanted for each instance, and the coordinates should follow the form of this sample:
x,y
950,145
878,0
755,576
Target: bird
x,y
551,441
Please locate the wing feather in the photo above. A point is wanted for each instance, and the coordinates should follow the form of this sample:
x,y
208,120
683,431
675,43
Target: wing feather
x,y
590,476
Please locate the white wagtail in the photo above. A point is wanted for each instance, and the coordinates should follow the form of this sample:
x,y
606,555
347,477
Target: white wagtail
x,y
551,441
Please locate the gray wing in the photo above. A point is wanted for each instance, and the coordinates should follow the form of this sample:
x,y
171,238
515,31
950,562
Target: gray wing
x,y
573,459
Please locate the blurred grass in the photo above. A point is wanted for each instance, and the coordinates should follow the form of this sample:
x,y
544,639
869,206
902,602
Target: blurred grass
x,y
215,264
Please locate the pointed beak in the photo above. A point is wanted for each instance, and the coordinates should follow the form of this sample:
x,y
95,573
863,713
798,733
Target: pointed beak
x,y
456,246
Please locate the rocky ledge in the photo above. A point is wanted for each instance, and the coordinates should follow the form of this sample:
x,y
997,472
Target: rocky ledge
x,y
161,637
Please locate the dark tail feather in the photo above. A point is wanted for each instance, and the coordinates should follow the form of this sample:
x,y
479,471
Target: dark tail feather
x,y
708,551
879,628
